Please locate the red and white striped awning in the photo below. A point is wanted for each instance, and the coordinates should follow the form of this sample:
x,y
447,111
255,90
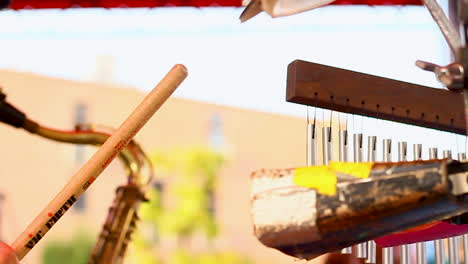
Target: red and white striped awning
x,y
32,4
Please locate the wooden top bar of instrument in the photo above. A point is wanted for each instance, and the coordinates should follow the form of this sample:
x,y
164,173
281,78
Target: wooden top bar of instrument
x,y
363,94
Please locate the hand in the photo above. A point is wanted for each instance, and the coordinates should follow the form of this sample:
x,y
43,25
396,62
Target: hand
x,y
7,255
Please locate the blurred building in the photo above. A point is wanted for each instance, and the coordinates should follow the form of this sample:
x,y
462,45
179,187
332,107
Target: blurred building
x,y
33,169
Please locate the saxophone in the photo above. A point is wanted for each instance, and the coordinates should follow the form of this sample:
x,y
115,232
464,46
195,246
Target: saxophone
x,y
122,217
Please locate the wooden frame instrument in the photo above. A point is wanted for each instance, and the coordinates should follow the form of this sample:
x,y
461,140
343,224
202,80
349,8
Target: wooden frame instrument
x,y
382,98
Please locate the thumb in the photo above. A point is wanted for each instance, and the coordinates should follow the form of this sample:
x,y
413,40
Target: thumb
x,y
7,254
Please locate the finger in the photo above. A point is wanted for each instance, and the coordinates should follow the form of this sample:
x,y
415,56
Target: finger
x,y
7,255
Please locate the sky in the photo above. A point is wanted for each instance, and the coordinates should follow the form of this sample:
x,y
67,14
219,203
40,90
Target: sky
x,y
230,63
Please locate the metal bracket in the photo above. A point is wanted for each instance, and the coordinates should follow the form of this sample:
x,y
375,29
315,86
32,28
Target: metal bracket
x,y
454,29
452,75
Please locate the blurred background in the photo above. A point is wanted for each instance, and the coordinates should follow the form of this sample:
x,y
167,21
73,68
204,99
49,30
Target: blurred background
x,y
228,119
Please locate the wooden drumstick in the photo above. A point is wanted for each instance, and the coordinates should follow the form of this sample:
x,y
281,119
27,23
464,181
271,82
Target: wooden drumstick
x,y
98,162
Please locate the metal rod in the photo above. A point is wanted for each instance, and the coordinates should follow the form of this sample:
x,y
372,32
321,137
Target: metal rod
x,y
432,153
465,100
438,244
371,252
387,253
402,151
343,155
421,257
348,250
343,145
311,145
357,147
465,248
447,154
371,157
462,156
454,257
387,150
464,238
417,151
439,251
372,149
405,254
326,144
404,249
361,249
448,30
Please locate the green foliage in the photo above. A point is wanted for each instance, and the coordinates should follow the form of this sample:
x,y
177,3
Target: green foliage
x,y
184,257
141,253
196,163
191,174
75,251
152,210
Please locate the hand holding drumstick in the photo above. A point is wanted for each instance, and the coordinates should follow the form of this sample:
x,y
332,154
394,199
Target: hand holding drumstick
x,y
96,164
7,254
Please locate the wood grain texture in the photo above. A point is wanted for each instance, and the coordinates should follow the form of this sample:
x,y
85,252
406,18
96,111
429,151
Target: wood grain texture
x,y
363,94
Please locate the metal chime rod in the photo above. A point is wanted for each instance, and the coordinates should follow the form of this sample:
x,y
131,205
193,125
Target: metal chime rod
x,y
343,153
439,243
387,150
465,248
454,257
361,249
461,156
464,238
311,144
447,154
421,257
327,144
387,253
402,151
372,149
405,252
357,147
371,157
343,145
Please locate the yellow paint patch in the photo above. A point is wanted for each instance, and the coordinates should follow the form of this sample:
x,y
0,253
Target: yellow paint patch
x,y
324,179
320,178
360,170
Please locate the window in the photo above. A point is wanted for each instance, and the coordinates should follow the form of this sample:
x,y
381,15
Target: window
x,y
217,142
215,133
80,118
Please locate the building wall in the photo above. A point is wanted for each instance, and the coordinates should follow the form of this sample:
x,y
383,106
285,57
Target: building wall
x,y
34,169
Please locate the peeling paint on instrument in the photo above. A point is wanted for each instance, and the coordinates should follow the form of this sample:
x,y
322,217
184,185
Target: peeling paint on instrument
x,y
404,189
396,197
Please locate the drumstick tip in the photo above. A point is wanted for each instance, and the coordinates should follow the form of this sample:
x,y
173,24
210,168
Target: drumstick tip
x,y
181,67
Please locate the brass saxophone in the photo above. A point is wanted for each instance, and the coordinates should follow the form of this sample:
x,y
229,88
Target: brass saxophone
x,y
122,217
